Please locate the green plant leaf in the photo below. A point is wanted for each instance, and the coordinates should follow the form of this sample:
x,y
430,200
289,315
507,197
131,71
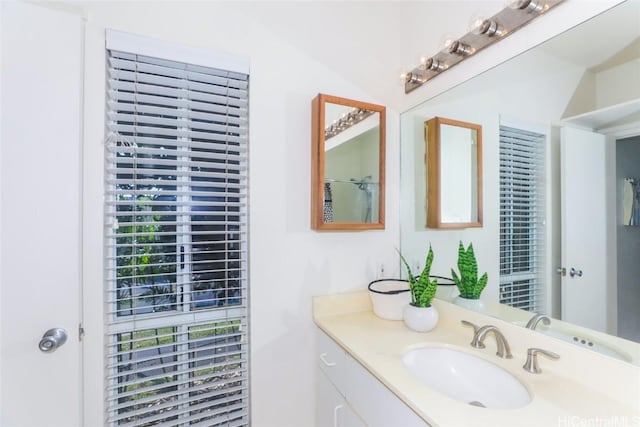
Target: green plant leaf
x,y
456,279
468,284
422,289
411,279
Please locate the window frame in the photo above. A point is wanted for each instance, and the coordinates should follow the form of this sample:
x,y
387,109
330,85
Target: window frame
x,y
173,328
536,296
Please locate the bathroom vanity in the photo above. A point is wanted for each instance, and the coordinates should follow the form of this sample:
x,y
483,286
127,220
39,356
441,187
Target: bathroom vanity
x,y
362,379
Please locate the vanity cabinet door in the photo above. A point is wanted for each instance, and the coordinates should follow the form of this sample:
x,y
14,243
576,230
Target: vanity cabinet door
x,y
364,399
332,410
374,402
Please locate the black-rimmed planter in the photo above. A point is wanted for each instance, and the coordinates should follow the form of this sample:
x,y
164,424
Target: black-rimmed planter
x,y
389,297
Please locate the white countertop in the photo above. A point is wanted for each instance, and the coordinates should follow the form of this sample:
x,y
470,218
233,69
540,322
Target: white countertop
x,y
581,389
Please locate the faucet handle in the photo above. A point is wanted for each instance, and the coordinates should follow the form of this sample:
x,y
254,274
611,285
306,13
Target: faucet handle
x,y
473,325
531,365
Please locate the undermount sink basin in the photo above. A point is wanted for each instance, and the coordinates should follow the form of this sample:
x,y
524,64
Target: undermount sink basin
x,y
466,378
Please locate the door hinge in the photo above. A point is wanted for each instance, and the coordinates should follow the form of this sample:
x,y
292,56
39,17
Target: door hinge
x,y
80,332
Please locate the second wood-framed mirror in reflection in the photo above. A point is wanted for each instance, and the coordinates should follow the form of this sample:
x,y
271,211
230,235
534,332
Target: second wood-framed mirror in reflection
x,y
454,173
347,164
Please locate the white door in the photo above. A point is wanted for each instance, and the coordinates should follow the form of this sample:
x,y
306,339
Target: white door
x,y
584,226
40,221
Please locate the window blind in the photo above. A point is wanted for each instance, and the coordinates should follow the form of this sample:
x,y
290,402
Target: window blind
x,y
176,243
522,218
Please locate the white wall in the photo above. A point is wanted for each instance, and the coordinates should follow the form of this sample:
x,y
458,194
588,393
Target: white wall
x,y
618,84
288,262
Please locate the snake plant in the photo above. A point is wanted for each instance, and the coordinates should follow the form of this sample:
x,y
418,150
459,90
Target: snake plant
x,y
468,284
422,289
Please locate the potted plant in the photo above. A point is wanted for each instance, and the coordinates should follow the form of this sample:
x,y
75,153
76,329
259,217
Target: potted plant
x,y
419,314
468,284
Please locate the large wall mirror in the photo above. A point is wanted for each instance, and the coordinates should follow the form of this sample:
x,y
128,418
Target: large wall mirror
x,y
348,164
454,173
553,239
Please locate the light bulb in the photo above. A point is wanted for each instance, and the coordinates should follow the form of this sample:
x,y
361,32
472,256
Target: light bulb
x,y
414,77
459,48
434,65
529,6
489,28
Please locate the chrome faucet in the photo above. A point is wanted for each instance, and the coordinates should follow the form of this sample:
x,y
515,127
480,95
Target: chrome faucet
x,y
479,334
533,322
531,365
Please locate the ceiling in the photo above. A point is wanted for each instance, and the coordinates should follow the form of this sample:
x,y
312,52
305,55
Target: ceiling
x,y
601,43
387,37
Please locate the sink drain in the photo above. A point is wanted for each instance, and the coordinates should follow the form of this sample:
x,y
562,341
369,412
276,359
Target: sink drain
x,y
476,403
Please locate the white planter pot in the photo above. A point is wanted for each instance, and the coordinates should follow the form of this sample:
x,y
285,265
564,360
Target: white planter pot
x,y
389,297
420,319
470,304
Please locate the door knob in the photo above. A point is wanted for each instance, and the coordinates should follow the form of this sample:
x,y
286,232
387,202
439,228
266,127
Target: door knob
x,y
52,339
573,272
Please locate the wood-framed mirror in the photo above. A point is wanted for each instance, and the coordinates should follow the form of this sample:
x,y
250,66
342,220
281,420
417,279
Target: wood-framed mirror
x,y
347,164
454,173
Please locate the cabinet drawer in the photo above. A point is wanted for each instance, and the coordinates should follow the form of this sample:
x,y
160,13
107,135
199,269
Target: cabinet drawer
x,y
374,402
331,360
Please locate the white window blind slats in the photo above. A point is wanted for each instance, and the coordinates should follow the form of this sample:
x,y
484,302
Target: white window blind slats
x,y
112,258
124,271
177,223
234,127
154,66
158,163
160,234
170,173
125,202
152,373
202,407
214,114
176,242
522,218
167,102
214,132
152,321
162,245
159,92
150,182
121,77
171,88
212,418
164,136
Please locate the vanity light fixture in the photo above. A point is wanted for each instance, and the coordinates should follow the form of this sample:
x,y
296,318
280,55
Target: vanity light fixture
x,y
514,16
347,120
489,28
